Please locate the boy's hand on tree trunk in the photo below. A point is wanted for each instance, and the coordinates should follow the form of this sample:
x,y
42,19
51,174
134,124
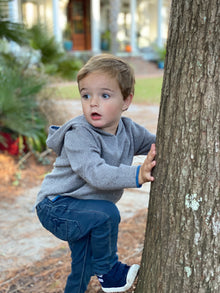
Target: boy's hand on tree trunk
x,y
147,166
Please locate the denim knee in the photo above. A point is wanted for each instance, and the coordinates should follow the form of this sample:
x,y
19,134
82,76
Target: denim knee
x,y
52,219
71,219
110,209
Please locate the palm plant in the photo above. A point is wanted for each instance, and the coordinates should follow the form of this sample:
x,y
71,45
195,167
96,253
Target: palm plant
x,y
19,109
41,40
20,115
55,60
11,31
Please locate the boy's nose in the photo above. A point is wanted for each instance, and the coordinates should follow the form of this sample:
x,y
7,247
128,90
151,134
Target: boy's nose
x,y
94,101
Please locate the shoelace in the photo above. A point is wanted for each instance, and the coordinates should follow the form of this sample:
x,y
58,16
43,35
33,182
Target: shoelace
x,y
100,278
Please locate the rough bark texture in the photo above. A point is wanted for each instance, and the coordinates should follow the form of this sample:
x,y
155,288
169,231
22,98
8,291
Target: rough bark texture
x,y
181,252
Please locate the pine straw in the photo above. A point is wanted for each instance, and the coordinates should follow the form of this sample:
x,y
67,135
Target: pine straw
x,y
29,174
49,274
9,164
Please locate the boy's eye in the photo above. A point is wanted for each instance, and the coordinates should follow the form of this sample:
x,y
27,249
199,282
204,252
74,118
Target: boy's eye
x,y
106,96
86,97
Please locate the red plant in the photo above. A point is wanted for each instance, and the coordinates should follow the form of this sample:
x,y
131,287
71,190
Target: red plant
x,y
11,145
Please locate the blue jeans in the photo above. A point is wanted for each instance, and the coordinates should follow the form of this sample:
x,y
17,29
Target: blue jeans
x,y
91,229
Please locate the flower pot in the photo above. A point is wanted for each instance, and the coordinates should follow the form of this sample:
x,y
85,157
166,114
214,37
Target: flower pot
x,y
128,48
105,45
68,45
160,64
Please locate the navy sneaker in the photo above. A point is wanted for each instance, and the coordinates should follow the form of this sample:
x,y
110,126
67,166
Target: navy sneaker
x,y
119,279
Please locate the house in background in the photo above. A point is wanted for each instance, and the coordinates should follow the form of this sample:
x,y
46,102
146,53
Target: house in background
x,y
140,23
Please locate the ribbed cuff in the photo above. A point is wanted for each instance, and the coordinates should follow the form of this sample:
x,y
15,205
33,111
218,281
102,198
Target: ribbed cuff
x,y
137,175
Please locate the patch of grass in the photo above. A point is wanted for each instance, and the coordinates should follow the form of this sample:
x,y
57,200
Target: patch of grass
x,y
147,90
68,92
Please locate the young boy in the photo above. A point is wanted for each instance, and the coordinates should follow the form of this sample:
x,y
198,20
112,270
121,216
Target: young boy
x,y
93,166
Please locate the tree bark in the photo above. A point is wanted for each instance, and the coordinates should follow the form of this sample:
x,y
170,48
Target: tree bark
x,y
181,250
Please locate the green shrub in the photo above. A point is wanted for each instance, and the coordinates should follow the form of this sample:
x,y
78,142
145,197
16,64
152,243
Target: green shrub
x,y
56,61
51,69
20,114
47,45
68,66
11,31
160,52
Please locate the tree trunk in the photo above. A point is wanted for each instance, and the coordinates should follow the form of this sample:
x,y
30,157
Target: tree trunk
x,y
114,11
181,250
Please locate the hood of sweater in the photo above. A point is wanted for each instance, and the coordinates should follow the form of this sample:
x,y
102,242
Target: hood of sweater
x,y
57,134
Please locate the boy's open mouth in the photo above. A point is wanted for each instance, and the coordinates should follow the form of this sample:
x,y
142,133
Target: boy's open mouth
x,y
95,116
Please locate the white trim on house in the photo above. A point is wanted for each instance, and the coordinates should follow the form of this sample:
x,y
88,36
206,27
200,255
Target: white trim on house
x,y
133,36
13,9
159,23
56,21
95,26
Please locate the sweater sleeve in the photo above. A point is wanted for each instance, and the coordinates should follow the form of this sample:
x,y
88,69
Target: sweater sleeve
x,y
143,139
84,155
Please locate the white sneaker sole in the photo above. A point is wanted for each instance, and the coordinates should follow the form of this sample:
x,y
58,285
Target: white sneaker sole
x,y
131,276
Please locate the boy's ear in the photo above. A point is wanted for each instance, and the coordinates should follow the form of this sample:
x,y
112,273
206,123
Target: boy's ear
x,y
127,102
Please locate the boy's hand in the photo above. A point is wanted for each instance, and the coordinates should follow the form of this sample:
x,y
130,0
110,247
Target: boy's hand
x,y
147,166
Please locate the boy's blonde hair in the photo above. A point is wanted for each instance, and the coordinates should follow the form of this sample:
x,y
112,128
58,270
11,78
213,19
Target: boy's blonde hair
x,y
113,66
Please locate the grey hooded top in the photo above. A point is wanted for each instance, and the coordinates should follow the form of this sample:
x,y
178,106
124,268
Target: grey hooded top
x,y
94,164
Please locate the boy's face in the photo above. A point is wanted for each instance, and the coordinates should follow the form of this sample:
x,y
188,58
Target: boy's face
x,y
102,101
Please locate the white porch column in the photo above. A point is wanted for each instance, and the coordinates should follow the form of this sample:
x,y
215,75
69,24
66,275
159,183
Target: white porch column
x,y
95,26
133,36
14,16
13,11
56,23
159,23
